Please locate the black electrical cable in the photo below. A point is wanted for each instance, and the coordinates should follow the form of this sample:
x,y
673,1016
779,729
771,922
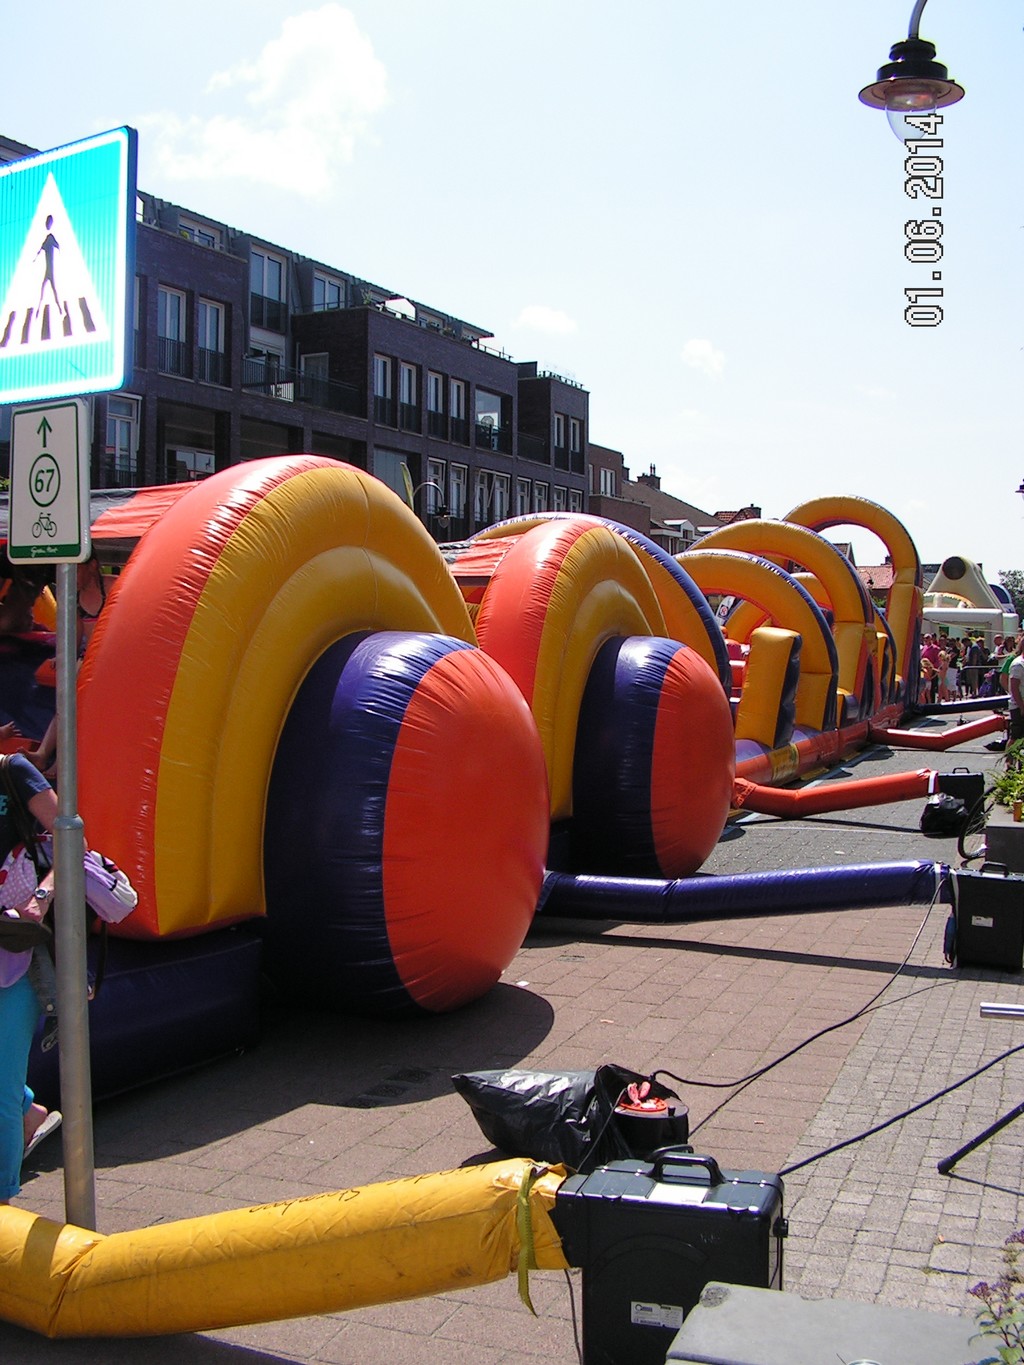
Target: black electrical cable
x,y
744,1081
741,1085
896,1118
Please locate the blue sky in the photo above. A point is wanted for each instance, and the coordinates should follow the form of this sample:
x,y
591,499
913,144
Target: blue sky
x,y
680,204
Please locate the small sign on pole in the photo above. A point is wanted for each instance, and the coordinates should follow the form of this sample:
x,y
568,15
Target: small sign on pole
x,y
49,504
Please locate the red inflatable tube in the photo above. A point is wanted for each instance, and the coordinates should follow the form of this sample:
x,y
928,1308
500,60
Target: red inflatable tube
x,y
868,791
940,739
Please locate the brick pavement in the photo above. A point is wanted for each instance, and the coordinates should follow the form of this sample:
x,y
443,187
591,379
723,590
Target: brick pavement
x,y
325,1103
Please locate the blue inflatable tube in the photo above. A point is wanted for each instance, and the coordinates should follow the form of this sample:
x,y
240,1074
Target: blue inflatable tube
x,y
954,708
752,893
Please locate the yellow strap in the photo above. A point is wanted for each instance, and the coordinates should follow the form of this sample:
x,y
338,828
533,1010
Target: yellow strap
x,y
524,1227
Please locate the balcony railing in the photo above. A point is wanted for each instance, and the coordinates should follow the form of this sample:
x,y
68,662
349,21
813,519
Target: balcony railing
x,y
489,436
437,425
172,356
534,448
385,411
213,367
562,457
115,474
460,430
264,312
408,417
262,374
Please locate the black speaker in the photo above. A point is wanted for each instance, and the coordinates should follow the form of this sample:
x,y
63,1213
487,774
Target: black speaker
x,y
989,910
649,1235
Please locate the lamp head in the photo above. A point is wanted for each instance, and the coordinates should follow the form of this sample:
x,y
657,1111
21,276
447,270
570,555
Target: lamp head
x,y
911,84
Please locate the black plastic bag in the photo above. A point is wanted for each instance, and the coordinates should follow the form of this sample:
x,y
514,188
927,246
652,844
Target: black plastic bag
x,y
564,1116
943,815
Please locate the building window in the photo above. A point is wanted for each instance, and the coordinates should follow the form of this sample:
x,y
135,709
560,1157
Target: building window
x,y
608,483
540,497
559,495
210,336
575,500
383,394
436,498
457,492
315,373
488,420
561,449
575,435
190,465
327,293
501,490
199,233
408,403
482,498
266,291
120,455
172,356
436,424
457,411
522,497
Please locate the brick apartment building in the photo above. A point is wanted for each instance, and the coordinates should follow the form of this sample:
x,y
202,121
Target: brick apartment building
x,y
243,348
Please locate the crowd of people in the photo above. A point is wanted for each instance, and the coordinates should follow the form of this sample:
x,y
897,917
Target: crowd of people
x,y
953,669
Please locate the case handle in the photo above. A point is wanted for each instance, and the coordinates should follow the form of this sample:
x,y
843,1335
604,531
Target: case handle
x,y
683,1156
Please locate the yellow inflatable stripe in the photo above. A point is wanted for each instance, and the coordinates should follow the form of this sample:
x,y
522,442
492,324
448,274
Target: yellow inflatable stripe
x,y
323,554
601,592
375,1244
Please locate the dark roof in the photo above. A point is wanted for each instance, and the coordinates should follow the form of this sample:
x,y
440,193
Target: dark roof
x,y
664,507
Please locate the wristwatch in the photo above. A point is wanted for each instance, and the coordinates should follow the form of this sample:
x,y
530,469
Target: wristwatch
x,y
43,894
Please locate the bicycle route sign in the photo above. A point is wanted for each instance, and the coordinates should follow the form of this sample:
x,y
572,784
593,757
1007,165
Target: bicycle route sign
x,y
49,499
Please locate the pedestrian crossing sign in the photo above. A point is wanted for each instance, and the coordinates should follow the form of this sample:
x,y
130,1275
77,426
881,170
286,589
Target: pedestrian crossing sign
x,y
67,261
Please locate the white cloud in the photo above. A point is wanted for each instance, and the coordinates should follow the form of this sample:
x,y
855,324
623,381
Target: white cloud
x,y
539,318
701,354
308,99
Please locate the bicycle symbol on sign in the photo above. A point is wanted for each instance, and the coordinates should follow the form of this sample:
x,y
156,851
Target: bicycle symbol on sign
x,y
45,524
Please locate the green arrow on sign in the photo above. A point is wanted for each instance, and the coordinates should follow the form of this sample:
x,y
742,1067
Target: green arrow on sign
x,y
43,429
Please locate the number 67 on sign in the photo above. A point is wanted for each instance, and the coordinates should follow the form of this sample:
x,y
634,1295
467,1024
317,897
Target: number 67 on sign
x,y
49,501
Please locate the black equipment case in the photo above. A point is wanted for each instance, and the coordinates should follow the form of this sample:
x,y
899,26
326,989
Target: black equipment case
x,y
649,1235
989,909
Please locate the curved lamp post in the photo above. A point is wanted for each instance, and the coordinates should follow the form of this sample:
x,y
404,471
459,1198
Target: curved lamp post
x,y
441,511
912,84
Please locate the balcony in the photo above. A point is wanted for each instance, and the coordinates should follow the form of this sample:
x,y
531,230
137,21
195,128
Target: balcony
x,y
437,425
460,430
385,411
268,313
489,436
172,356
562,457
408,417
261,374
213,367
534,448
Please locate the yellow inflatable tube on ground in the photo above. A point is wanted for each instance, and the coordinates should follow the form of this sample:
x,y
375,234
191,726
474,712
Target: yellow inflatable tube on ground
x,y
401,1239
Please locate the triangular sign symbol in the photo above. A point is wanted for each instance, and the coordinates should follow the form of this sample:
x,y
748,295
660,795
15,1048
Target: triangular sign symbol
x,y
51,300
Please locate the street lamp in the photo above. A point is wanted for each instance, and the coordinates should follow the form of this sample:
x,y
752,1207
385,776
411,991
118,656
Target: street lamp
x,y
441,511
912,84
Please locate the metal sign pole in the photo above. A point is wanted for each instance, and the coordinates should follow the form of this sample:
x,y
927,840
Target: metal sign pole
x,y
69,908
